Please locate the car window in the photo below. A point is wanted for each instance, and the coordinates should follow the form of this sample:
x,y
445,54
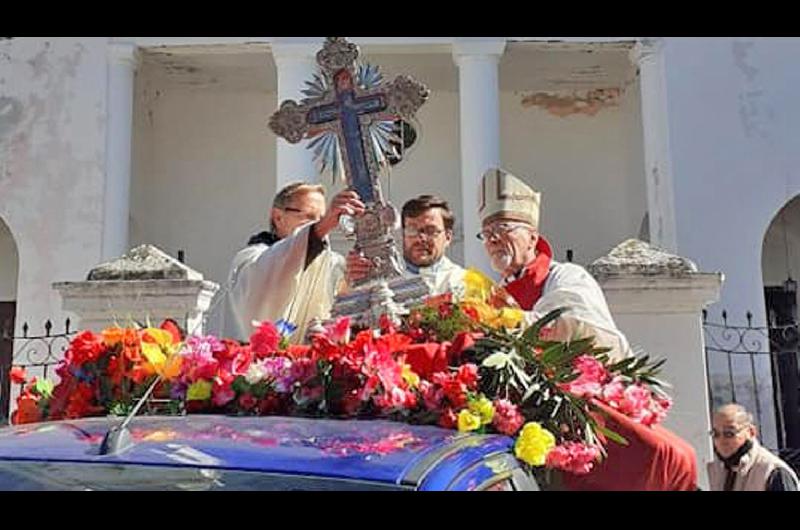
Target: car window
x,y
44,476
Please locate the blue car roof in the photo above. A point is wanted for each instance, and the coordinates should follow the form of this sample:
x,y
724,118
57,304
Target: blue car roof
x,y
374,450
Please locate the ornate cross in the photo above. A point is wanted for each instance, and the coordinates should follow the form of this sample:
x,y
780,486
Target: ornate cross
x,y
350,112
347,111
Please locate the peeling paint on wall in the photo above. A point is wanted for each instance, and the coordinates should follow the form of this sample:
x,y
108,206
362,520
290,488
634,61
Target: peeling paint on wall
x,y
588,102
751,106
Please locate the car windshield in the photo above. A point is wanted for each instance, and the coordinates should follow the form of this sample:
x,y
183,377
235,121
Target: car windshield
x,y
48,476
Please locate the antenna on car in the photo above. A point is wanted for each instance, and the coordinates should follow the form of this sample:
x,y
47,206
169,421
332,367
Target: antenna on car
x,y
118,438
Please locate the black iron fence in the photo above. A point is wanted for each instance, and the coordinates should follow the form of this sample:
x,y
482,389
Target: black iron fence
x,y
38,354
757,366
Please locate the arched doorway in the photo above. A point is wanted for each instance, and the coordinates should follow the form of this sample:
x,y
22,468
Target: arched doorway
x,y
9,267
780,266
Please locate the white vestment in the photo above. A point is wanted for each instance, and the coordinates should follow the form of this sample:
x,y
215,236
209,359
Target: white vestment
x,y
272,282
570,285
444,276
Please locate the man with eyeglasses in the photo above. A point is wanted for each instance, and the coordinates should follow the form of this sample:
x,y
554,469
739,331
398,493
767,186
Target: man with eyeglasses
x,y
531,279
654,458
742,463
427,233
290,272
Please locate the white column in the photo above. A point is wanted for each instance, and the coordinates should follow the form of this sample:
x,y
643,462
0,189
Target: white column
x,y
648,55
295,63
122,62
479,118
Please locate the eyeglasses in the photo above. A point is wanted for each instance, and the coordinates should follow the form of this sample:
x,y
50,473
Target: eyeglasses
x,y
727,433
498,230
430,232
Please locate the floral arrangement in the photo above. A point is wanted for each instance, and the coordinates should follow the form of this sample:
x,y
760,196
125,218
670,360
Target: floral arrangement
x,y
463,365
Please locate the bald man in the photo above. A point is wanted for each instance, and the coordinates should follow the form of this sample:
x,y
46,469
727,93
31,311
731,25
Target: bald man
x,y
742,464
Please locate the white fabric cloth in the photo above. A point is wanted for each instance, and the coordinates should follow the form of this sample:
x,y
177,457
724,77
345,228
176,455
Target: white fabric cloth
x,y
570,285
271,282
444,276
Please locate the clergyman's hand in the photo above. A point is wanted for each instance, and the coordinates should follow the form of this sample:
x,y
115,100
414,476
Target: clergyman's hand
x,y
499,298
357,267
344,203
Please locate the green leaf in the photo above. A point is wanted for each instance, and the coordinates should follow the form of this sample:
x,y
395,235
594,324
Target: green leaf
x,y
531,334
44,388
611,435
497,360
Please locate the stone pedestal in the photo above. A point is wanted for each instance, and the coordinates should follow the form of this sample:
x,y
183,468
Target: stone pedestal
x,y
657,300
145,285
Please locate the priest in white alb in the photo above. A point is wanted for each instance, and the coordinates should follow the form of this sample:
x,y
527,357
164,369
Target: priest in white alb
x,y
654,458
290,272
509,213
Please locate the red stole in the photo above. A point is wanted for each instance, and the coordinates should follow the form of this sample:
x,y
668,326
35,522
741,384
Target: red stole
x,y
527,289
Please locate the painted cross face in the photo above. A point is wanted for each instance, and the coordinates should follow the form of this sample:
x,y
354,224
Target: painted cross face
x,y
343,81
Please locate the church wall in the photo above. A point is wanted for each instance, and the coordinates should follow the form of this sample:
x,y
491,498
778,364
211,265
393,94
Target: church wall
x,y
8,265
52,156
203,172
588,167
733,115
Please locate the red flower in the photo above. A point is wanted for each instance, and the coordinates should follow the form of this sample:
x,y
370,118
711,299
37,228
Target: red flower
x,y
468,374
221,391
448,419
265,340
18,375
242,360
85,347
454,390
82,402
386,324
472,313
116,369
247,401
27,410
172,327
463,341
270,404
445,310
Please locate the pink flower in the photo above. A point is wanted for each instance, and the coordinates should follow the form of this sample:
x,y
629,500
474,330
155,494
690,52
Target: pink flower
x,y
222,394
431,395
590,381
339,331
614,392
574,457
507,417
303,369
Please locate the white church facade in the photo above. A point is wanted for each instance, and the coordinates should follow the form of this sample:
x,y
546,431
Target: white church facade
x,y
689,143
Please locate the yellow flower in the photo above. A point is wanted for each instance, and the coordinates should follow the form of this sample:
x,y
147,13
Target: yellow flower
x,y
199,391
161,353
507,317
410,376
483,408
477,286
533,444
467,421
